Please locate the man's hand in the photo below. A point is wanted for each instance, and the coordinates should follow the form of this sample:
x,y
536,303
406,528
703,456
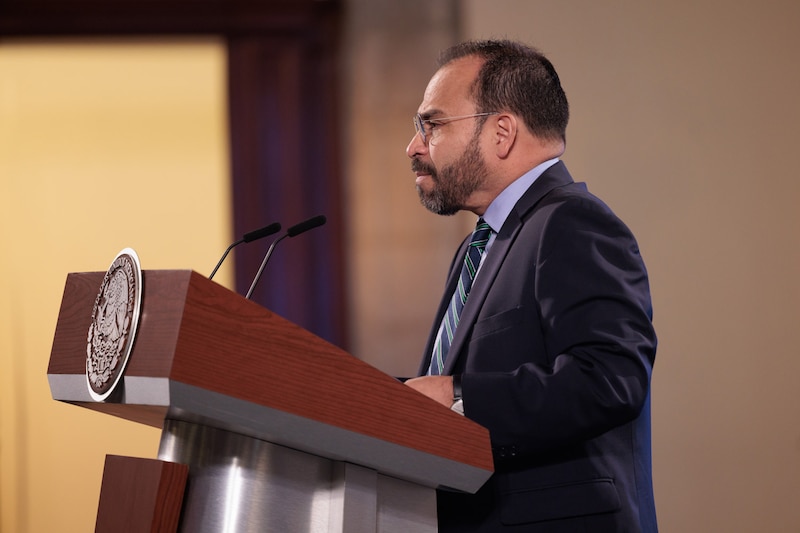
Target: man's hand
x,y
439,388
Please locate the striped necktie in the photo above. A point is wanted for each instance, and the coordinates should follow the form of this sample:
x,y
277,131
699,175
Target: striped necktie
x,y
475,251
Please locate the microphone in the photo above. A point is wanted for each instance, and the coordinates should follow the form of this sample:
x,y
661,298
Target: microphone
x,y
294,231
248,237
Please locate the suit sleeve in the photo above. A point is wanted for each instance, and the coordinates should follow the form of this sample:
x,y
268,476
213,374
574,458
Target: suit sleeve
x,y
588,311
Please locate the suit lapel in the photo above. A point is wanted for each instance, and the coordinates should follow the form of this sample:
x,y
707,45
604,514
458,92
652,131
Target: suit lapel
x,y
450,287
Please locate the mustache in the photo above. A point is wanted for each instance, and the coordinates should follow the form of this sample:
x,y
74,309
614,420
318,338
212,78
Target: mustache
x,y
419,166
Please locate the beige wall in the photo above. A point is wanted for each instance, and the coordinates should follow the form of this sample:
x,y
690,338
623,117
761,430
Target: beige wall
x,y
101,147
685,119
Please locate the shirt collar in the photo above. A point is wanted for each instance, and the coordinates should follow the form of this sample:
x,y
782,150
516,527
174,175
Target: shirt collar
x,y
498,211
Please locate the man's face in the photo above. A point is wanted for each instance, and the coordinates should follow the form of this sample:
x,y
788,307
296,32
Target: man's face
x,y
450,166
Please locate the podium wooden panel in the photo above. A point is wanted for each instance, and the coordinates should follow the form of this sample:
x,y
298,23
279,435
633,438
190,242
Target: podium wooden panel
x,y
140,496
207,357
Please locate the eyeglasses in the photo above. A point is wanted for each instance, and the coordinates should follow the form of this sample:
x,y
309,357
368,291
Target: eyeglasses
x,y
425,126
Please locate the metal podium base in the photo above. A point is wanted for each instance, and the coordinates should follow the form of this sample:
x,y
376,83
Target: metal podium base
x,y
239,484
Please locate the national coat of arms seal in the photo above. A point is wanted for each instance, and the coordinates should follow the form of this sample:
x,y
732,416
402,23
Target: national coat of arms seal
x,y
115,318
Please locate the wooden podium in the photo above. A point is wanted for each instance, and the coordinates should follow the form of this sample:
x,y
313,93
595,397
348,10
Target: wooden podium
x,y
277,429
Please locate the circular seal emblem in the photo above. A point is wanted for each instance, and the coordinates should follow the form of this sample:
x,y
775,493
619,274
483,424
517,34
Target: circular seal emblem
x,y
115,318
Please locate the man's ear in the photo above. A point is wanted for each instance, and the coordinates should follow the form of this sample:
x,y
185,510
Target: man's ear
x,y
505,134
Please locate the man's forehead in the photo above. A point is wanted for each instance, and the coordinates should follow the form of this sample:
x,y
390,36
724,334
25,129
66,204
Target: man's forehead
x,y
450,85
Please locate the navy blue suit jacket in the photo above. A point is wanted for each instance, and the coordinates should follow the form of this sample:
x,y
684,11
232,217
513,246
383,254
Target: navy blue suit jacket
x,y
555,347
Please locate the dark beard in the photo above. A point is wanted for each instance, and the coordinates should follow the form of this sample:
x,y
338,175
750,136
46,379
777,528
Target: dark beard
x,y
455,183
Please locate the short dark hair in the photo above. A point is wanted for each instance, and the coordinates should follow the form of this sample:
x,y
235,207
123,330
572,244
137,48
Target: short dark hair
x,y
518,78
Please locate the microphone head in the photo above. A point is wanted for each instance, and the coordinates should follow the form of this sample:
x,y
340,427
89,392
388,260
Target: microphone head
x,y
275,227
306,225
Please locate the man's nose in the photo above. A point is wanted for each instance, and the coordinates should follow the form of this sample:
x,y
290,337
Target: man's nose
x,y
416,146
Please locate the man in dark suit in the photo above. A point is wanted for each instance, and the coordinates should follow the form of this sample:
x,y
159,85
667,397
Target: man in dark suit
x,y
551,346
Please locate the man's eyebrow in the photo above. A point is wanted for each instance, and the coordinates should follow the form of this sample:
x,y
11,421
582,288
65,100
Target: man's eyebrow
x,y
427,115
